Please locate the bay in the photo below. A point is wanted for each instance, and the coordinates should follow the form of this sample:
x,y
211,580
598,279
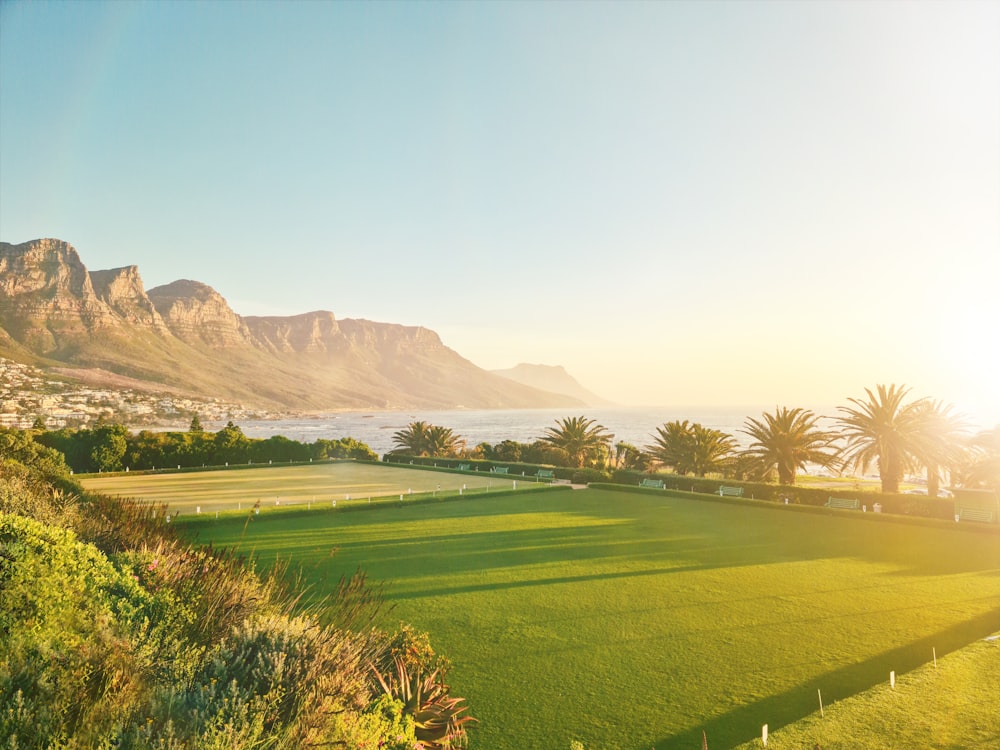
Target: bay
x,y
635,425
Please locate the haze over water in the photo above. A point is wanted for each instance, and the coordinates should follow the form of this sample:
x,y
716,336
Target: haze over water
x,y
635,425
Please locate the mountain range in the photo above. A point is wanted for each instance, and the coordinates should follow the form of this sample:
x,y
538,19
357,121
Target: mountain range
x,y
184,337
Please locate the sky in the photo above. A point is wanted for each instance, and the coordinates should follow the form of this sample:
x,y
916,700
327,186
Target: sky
x,y
712,203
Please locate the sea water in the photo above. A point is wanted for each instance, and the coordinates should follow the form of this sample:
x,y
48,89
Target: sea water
x,y
635,425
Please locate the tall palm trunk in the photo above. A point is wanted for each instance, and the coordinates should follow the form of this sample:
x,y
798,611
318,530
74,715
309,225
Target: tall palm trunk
x,y
933,480
890,472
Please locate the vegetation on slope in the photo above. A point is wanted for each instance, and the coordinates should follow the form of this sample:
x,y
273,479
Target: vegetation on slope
x,y
115,634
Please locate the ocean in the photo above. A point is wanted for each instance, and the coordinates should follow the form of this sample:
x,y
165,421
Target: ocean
x,y
635,425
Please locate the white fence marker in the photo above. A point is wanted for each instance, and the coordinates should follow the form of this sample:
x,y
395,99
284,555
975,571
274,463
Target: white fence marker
x,y
934,651
820,694
763,735
892,679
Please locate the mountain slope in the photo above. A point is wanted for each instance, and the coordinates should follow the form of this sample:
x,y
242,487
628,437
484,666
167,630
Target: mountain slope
x,y
186,336
552,378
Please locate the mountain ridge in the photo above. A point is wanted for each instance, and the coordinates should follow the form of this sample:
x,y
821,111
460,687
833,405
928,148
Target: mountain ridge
x,y
184,335
552,378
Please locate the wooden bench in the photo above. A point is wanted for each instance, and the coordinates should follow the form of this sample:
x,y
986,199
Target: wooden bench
x,y
730,491
464,467
501,469
983,515
844,503
656,484
545,474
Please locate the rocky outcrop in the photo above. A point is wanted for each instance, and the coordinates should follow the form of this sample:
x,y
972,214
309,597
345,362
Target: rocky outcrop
x,y
313,333
47,300
184,335
197,314
121,289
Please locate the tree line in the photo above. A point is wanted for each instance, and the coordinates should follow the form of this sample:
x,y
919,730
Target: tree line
x,y
883,430
111,447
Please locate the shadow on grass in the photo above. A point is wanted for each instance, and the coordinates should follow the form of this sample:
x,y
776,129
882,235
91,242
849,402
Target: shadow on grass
x,y
743,724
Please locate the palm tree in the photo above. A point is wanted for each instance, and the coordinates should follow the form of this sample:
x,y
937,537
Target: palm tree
x,y
941,444
691,448
786,440
580,437
884,430
984,468
442,441
413,439
671,445
712,449
627,456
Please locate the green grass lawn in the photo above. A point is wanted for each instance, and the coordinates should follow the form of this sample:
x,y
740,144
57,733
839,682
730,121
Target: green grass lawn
x,y
631,621
277,486
950,705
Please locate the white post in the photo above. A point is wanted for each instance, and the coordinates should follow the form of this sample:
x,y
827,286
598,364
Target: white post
x,y
820,694
763,735
197,509
934,651
892,679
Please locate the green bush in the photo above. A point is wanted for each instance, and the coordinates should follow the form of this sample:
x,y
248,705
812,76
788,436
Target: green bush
x,y
78,634
116,635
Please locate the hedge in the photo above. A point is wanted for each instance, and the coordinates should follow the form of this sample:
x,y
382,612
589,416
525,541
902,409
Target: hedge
x,y
899,504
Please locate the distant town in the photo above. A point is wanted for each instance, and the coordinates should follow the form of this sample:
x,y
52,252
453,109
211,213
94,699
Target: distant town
x,y
28,395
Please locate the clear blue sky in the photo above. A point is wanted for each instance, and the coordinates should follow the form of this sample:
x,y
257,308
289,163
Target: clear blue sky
x,y
683,203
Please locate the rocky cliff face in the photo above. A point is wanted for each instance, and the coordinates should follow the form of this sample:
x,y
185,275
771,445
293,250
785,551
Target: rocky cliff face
x,y
121,289
313,333
185,335
197,314
47,299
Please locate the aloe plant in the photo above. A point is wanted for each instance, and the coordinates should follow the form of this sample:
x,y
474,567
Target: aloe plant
x,y
437,715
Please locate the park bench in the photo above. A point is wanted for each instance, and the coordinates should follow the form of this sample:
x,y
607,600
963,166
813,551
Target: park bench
x,y
500,469
464,467
983,515
730,491
844,503
656,484
546,474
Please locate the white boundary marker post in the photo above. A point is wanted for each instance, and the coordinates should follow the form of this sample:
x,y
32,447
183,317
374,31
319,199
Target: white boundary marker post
x,y
934,651
763,735
820,694
892,679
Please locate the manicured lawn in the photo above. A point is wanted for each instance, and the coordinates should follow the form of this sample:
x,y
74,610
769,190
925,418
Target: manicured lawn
x,y
627,620
276,486
951,705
